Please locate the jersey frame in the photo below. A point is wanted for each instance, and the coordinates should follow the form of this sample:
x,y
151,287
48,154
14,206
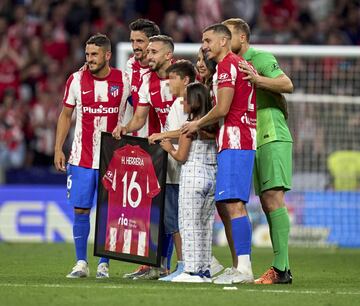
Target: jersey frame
x,y
156,228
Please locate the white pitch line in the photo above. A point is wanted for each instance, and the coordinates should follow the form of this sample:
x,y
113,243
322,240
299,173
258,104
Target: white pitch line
x,y
312,292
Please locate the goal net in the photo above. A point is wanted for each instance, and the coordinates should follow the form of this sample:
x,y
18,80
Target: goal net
x,y
324,119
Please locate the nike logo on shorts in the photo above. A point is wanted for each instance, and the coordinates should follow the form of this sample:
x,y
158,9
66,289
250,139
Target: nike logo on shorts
x,y
86,92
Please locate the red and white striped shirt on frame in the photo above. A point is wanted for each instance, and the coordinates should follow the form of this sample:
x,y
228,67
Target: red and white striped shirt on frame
x,y
100,106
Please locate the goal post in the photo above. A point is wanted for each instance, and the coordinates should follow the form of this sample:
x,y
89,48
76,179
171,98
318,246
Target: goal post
x,y
324,119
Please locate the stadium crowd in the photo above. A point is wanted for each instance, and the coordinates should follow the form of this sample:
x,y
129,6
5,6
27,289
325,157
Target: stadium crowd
x,y
41,43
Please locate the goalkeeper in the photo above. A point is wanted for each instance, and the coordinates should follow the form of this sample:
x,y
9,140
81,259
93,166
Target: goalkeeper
x,y
273,160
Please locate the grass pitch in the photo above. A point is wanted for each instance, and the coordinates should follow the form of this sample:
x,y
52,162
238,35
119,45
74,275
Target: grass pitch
x,y
34,274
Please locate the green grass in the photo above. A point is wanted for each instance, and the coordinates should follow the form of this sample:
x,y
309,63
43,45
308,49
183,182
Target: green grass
x,y
34,274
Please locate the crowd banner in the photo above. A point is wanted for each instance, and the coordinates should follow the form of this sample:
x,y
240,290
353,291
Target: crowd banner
x,y
130,202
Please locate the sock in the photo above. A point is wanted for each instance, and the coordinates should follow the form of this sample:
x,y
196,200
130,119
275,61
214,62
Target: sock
x,y
169,254
167,250
242,233
81,229
103,260
270,231
280,228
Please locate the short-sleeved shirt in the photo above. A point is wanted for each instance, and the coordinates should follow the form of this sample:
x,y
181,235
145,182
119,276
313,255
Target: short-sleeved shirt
x,y
271,122
174,121
100,106
132,183
135,72
238,128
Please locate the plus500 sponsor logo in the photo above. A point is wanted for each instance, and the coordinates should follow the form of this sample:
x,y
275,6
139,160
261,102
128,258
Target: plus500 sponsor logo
x,y
100,110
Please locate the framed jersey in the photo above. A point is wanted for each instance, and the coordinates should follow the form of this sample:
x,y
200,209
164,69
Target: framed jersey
x,y
130,203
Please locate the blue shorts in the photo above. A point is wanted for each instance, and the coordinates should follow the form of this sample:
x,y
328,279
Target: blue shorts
x,y
171,210
82,186
234,176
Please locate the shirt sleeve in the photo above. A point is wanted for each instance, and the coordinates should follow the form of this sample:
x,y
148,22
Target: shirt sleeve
x,y
124,99
267,65
227,74
69,99
144,95
109,179
153,187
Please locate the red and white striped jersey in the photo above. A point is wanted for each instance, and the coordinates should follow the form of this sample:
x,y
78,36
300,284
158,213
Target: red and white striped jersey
x,y
135,72
100,106
238,128
155,91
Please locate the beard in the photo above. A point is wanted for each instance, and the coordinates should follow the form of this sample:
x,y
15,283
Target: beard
x,y
155,66
98,68
138,57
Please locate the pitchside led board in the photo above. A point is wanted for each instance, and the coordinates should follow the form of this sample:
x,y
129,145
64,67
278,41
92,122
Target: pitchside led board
x,y
130,200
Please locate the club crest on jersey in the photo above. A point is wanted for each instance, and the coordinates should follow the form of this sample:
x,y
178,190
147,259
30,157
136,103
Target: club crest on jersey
x,y
114,90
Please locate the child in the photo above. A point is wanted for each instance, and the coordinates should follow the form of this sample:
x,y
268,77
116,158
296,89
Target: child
x,y
196,190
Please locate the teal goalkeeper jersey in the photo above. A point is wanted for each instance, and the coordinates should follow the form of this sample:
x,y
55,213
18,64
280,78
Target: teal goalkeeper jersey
x,y
271,122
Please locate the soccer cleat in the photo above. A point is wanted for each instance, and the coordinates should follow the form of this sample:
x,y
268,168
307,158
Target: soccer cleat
x,y
233,276
152,274
187,277
102,270
80,270
179,269
290,276
139,271
272,276
216,266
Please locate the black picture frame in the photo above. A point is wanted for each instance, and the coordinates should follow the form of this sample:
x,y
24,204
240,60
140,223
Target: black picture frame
x,y
159,160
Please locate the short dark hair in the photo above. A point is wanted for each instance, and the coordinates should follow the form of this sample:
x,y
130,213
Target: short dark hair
x,y
240,25
100,40
148,27
183,68
167,40
219,29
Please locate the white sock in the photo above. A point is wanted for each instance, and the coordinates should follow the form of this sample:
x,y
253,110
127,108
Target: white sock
x,y
244,264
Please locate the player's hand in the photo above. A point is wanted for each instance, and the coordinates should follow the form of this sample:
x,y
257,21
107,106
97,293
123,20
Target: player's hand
x,y
60,161
206,135
189,128
251,73
84,67
118,131
155,137
167,145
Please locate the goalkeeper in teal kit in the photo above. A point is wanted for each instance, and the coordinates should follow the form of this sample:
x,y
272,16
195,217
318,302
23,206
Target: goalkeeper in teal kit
x,y
273,160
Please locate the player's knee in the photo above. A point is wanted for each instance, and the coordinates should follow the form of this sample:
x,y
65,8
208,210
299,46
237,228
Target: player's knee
x,y
272,199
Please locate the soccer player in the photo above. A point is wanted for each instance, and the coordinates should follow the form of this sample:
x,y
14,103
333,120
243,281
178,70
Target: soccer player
x,y
137,65
154,91
273,161
99,95
235,111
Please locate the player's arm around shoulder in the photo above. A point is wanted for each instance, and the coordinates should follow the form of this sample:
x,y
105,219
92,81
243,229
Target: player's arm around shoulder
x,y
268,74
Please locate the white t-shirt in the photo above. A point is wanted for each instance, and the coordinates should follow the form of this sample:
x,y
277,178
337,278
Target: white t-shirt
x,y
175,119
